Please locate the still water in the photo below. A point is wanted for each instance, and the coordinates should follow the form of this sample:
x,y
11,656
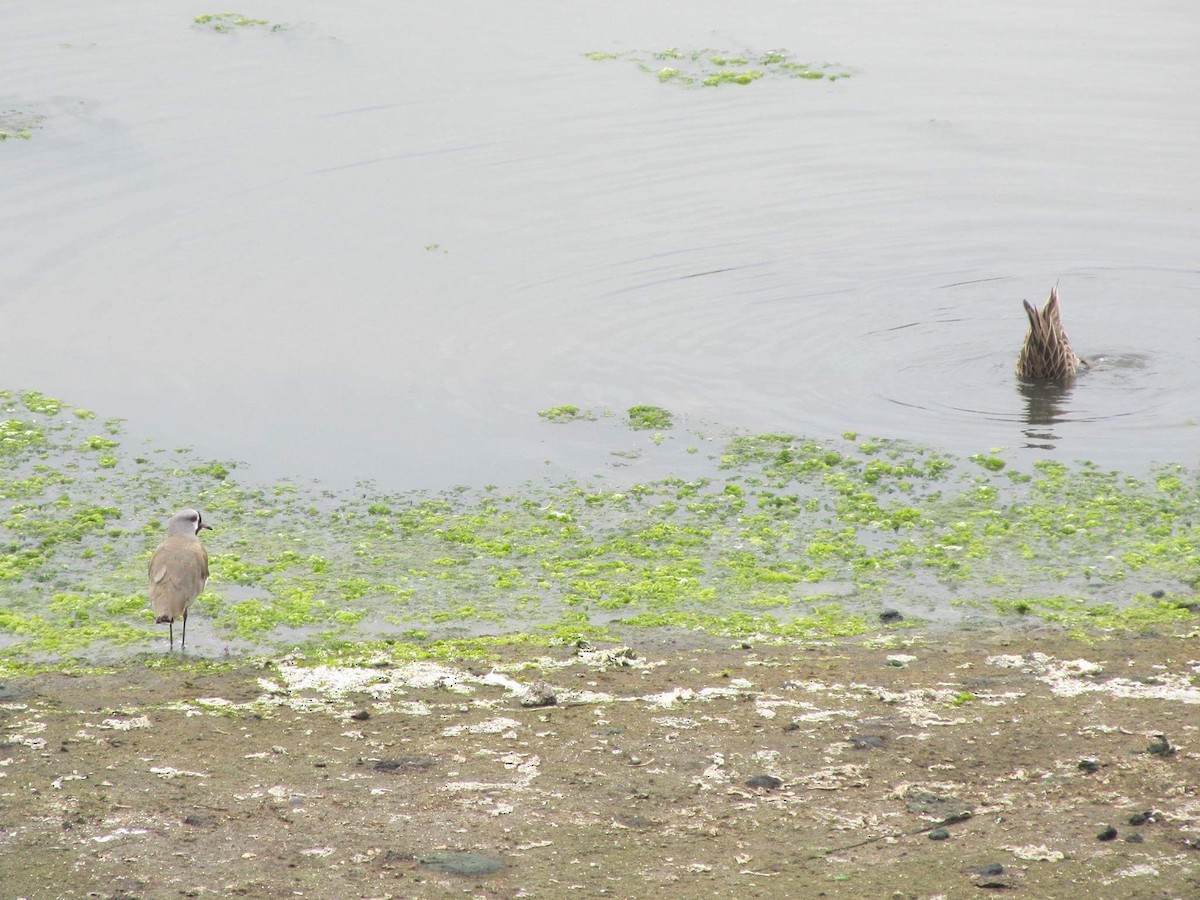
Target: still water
x,y
372,244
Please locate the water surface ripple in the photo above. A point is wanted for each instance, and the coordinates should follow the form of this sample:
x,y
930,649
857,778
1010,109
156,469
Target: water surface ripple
x,y
375,243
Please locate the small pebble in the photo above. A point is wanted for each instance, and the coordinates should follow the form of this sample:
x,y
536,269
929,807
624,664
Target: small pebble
x,y
1134,838
888,616
1108,834
939,834
766,782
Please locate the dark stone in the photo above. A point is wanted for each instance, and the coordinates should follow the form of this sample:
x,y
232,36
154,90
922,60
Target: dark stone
x,y
1160,746
888,616
791,726
1134,838
1109,833
1138,819
993,882
1089,765
360,715
462,863
766,782
939,834
1159,594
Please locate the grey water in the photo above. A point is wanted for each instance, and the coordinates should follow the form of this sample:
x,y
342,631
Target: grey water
x,y
374,243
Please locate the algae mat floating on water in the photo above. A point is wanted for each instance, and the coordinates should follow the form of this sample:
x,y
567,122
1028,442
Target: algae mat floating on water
x,y
712,68
781,536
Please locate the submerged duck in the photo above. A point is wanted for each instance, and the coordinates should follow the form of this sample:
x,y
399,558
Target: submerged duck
x,y
1047,352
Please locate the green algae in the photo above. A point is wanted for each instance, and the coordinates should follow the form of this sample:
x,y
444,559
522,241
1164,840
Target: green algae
x,y
703,67
744,77
1084,617
566,413
650,417
785,537
228,21
74,622
17,436
991,463
37,402
18,125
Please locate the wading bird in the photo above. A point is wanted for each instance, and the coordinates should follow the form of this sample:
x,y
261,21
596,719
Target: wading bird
x,y
178,571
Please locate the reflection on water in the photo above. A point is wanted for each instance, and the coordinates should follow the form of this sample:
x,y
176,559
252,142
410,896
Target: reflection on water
x,y
1114,387
1047,403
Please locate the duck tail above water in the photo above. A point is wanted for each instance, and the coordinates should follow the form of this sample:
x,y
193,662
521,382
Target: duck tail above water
x,y
1047,352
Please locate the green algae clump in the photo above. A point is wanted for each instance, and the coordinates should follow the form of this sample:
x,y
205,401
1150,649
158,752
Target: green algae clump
x,y
646,418
227,21
566,413
732,78
703,67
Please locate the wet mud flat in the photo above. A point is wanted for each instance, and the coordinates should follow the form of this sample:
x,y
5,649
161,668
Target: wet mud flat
x,y
924,764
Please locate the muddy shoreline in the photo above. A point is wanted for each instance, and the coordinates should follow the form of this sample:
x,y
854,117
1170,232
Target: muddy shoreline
x,y
680,766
